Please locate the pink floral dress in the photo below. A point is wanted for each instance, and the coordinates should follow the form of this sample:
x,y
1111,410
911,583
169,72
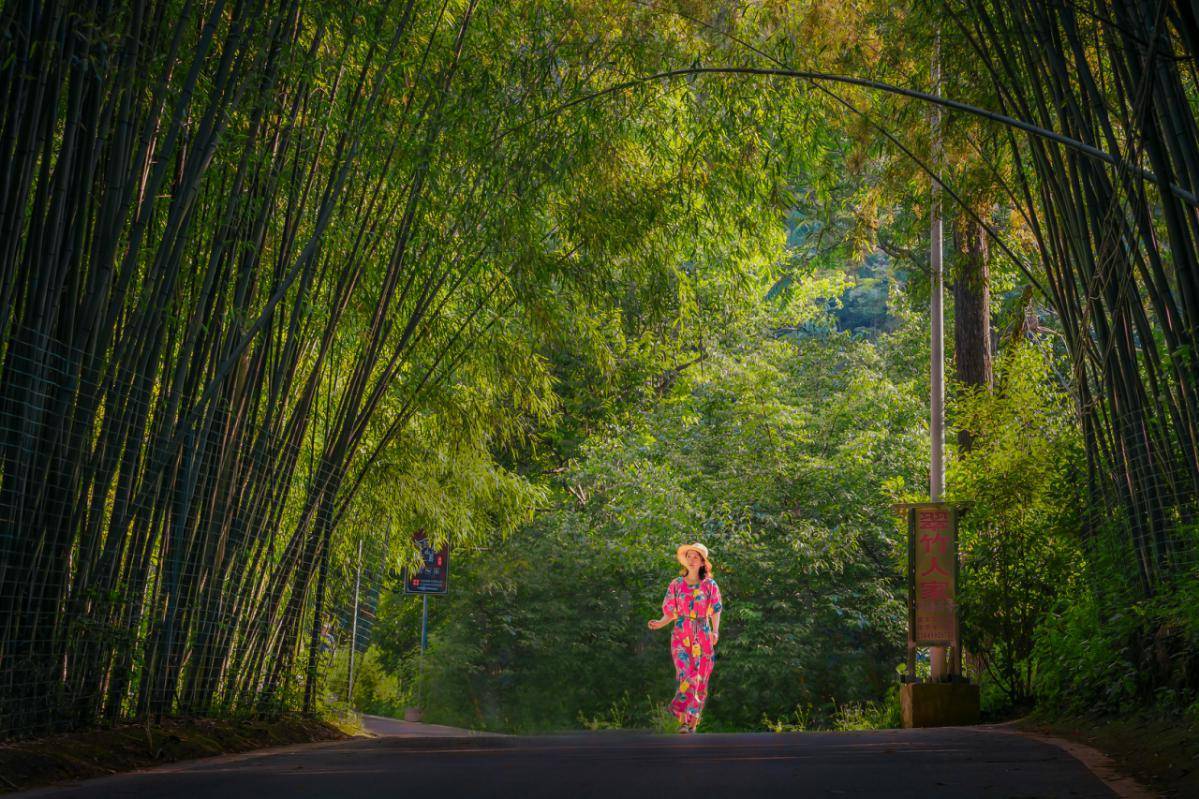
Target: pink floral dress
x,y
691,643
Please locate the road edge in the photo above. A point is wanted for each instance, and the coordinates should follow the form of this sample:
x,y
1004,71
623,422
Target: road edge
x,y
71,758
1099,763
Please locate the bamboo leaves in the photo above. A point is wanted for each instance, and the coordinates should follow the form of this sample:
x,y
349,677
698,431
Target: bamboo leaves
x,y
255,255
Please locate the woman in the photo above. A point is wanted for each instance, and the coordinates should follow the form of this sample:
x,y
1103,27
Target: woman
x,y
693,602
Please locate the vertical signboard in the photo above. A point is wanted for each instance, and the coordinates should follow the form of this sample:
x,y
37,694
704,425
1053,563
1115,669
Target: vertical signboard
x,y
932,573
433,577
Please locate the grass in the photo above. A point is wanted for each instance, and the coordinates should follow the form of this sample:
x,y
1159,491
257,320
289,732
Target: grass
x,y
96,753
880,715
621,716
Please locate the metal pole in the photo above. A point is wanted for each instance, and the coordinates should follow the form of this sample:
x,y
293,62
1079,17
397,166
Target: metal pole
x,y
424,644
936,476
424,624
354,630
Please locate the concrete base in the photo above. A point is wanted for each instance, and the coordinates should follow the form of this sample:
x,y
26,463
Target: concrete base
x,y
938,704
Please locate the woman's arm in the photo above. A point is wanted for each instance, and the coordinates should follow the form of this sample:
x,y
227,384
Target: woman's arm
x,y
717,606
658,624
669,609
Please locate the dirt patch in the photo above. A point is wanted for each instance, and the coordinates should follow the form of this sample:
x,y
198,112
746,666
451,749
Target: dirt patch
x,y
96,753
1162,754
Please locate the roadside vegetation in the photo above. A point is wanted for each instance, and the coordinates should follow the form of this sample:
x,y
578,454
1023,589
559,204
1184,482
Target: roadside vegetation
x,y
564,285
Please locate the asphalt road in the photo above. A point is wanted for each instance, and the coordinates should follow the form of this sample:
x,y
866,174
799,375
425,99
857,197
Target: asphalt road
x,y
947,762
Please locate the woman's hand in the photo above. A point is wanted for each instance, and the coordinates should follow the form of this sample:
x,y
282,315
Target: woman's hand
x,y
657,624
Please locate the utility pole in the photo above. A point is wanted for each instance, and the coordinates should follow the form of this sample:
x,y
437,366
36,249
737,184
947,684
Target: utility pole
x,y
936,427
932,526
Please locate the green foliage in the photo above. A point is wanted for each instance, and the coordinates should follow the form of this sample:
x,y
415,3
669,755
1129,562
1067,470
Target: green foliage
x,y
783,458
799,720
1107,649
325,275
1019,539
870,715
881,715
620,715
376,690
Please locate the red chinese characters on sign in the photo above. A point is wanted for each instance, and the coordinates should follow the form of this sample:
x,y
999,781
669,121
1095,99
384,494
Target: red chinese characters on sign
x,y
934,590
934,576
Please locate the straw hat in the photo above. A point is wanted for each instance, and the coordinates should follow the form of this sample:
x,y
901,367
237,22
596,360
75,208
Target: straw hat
x,y
698,547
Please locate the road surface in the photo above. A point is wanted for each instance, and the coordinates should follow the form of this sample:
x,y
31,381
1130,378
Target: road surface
x,y
947,762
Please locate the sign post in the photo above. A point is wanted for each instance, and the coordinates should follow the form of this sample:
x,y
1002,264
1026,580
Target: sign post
x,y
433,577
933,574
933,619
936,313
932,526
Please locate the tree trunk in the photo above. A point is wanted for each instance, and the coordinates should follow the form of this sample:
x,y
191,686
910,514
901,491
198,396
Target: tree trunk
x,y
972,311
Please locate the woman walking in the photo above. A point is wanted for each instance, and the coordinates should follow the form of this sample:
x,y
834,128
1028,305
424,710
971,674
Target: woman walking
x,y
693,602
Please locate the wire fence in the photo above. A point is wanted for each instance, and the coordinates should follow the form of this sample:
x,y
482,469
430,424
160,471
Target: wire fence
x,y
1143,501
158,560
152,564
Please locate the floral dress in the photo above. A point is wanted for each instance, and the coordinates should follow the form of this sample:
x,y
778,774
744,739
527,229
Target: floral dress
x,y
691,643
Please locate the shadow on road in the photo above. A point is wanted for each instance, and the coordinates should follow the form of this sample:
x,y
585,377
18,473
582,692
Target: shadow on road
x,y
947,762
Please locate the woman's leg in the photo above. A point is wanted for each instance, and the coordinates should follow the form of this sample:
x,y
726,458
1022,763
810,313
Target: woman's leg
x,y
703,673
683,676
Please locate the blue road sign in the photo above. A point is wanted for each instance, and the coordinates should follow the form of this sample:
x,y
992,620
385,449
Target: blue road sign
x,y
434,576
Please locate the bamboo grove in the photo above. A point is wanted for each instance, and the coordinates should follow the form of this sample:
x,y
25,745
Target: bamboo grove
x,y
247,247
1118,244
191,215
202,203
250,251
